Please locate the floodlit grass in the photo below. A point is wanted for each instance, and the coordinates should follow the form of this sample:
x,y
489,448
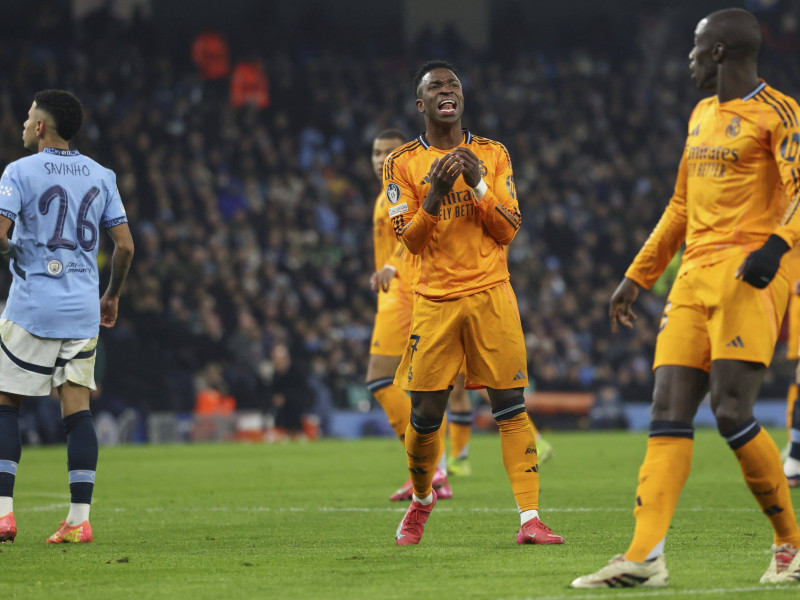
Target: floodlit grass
x,y
313,521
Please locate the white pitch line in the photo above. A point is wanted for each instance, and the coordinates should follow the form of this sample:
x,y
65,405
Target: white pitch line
x,y
365,509
45,508
62,496
662,593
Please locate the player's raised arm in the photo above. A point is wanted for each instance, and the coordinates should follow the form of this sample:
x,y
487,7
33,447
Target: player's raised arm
x,y
120,264
497,203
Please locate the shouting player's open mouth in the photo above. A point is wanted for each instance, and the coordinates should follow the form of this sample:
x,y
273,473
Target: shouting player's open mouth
x,y
447,107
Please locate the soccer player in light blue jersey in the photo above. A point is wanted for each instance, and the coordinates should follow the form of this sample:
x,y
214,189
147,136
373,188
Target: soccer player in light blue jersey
x,y
59,201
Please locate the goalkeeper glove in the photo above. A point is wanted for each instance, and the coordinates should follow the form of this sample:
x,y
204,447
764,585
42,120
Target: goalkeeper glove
x,y
762,264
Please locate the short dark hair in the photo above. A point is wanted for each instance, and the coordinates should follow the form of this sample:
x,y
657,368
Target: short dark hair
x,y
391,134
65,108
427,68
738,30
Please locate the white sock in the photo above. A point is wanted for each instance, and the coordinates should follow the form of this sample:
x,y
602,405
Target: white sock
x,y
657,551
78,513
424,501
442,462
6,505
527,515
791,466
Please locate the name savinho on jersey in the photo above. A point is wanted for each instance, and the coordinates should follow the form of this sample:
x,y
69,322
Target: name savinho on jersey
x,y
67,169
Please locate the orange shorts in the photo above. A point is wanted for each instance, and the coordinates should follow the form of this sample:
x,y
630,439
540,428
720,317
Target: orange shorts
x,y
793,339
482,330
711,315
393,320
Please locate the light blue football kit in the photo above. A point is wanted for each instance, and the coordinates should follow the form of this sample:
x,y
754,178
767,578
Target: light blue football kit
x,y
60,201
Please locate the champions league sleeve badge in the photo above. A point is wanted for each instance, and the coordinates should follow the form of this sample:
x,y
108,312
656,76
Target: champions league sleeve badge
x,y
393,193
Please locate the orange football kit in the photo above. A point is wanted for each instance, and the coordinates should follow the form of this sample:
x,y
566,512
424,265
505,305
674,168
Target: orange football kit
x,y
393,319
793,312
738,182
464,307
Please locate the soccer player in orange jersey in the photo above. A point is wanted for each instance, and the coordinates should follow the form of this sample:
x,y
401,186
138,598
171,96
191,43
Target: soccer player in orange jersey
x,y
453,205
391,280
736,206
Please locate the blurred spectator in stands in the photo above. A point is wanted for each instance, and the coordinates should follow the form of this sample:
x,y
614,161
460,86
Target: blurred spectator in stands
x,y
289,393
212,398
211,56
250,84
607,412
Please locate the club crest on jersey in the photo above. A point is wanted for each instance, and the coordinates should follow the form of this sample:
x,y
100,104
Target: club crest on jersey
x,y
393,193
734,128
54,267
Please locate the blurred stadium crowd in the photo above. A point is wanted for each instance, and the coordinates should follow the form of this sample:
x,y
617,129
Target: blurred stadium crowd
x,y
253,223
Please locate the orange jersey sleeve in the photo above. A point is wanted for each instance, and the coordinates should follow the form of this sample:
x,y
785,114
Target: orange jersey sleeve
x,y
742,183
459,251
388,251
665,239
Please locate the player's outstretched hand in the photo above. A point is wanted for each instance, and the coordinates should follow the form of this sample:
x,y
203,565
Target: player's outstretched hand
x,y
622,299
108,311
472,165
381,279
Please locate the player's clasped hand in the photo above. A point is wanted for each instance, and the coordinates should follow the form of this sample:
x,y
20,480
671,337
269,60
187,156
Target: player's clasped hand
x,y
444,172
472,165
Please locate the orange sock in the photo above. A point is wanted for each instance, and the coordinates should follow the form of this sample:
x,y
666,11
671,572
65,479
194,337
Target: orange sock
x,y
460,431
661,478
423,448
518,444
535,430
791,398
760,461
395,403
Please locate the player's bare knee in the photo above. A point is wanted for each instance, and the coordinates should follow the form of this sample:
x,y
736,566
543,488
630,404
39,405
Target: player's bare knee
x,y
730,416
731,406
429,405
667,407
381,367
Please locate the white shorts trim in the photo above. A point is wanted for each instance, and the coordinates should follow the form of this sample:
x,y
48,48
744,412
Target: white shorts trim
x,y
31,365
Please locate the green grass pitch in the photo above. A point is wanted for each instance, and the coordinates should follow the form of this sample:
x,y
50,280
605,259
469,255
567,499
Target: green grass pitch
x,y
313,521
